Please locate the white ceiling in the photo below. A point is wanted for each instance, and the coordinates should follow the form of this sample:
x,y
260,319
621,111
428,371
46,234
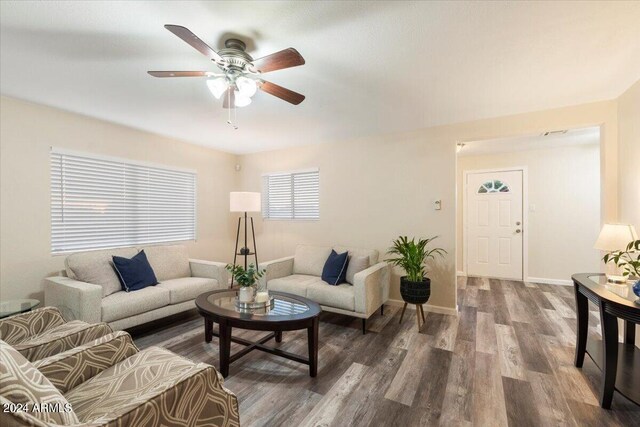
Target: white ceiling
x,y
372,67
584,136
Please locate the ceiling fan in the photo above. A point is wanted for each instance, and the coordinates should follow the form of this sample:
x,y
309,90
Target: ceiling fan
x,y
241,74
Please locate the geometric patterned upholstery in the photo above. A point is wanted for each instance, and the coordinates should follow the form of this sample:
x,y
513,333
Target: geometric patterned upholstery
x,y
20,327
110,383
155,387
73,367
61,338
22,383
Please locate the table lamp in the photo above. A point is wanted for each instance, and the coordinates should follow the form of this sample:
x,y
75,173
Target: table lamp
x,y
242,201
615,237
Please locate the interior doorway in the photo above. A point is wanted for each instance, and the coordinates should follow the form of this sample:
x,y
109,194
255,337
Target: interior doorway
x,y
550,184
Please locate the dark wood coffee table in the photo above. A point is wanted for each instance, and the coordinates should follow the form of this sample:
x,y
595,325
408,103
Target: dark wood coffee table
x,y
290,313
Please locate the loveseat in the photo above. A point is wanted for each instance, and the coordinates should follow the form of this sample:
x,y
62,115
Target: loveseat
x,y
89,289
109,382
301,273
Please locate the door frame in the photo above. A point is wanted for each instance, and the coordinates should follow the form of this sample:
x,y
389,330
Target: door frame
x,y
525,215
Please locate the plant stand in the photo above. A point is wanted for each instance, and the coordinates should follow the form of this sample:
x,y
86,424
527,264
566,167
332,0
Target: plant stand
x,y
419,314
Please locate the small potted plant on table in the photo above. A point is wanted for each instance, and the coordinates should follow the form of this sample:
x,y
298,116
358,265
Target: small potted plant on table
x,y
629,263
411,256
246,279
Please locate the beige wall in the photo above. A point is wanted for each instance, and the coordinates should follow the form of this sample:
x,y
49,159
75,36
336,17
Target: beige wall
x,y
562,230
373,189
629,164
27,131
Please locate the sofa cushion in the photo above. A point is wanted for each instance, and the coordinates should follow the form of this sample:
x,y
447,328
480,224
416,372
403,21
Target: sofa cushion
x,y
310,260
23,384
295,284
169,261
334,271
134,273
187,288
371,253
356,265
340,296
97,267
126,304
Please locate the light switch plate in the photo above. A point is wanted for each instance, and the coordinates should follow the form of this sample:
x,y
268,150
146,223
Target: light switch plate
x,y
437,205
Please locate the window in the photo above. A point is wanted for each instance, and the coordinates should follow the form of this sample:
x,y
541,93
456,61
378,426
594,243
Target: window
x,y
99,203
291,195
495,186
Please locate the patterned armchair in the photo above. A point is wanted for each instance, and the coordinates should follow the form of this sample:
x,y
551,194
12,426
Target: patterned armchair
x,y
109,382
44,332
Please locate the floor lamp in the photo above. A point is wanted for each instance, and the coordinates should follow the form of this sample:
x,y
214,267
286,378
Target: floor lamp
x,y
242,201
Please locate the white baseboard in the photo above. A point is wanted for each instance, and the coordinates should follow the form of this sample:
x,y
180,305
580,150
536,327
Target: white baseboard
x,y
549,281
427,307
461,274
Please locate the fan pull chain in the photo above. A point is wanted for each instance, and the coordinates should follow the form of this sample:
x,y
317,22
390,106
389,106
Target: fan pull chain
x,y
229,120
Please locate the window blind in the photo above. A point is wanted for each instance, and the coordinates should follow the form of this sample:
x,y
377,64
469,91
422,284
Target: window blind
x,y
291,195
99,203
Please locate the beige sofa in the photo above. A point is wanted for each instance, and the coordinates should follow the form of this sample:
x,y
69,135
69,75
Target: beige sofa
x,y
89,290
300,275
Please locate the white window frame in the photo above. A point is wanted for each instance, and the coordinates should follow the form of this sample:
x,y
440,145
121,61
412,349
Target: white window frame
x,y
265,197
59,247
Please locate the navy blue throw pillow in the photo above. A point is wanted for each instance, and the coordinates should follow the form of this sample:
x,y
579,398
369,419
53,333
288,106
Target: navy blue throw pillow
x,y
135,273
335,268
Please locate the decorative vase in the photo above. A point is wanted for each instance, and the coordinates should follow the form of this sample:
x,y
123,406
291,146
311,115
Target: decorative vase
x,y
246,294
415,292
636,290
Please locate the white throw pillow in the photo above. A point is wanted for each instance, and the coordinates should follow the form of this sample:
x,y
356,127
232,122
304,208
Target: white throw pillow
x,y
356,265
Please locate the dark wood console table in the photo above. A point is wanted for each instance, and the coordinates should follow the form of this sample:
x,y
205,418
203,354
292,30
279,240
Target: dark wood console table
x,y
619,362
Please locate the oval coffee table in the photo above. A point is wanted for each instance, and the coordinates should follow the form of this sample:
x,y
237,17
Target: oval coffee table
x,y
289,313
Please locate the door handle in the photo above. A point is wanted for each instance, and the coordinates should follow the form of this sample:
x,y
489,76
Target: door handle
x,y
518,230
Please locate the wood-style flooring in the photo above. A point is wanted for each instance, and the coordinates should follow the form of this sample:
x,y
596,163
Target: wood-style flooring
x,y
507,359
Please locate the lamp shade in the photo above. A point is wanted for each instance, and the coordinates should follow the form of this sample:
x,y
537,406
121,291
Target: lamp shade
x,y
243,201
615,237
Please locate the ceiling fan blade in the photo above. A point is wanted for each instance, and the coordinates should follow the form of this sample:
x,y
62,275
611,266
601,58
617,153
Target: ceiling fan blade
x,y
277,61
183,74
229,98
281,92
193,40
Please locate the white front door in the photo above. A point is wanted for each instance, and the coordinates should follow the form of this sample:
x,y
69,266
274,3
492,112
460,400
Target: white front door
x,y
494,224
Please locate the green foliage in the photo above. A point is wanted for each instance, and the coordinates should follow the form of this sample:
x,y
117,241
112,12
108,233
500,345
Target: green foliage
x,y
626,260
411,256
246,277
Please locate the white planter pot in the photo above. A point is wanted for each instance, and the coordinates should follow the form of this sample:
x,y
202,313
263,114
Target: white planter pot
x,y
245,294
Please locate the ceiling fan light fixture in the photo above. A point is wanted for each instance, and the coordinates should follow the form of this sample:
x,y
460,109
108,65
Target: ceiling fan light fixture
x,y
246,86
241,100
217,86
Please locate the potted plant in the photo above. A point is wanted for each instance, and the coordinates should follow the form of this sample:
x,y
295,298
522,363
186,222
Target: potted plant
x,y
630,265
411,255
246,279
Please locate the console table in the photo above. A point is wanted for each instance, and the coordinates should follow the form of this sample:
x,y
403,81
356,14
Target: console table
x,y
619,362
